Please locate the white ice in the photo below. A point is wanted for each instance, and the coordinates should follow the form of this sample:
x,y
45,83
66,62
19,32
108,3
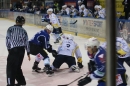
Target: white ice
x,y
31,30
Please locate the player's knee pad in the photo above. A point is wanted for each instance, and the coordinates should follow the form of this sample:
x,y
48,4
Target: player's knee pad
x,y
46,61
39,57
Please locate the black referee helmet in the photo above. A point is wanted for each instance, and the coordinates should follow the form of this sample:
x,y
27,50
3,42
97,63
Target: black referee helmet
x,y
20,19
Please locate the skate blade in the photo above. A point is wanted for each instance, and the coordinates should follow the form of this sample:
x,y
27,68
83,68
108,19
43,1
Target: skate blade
x,y
50,75
38,71
77,70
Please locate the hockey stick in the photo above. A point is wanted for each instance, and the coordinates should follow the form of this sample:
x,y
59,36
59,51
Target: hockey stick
x,y
74,22
74,80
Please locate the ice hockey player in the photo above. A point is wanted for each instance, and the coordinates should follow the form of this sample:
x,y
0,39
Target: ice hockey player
x,y
54,21
66,55
123,50
74,12
101,12
39,42
79,5
97,64
85,12
65,10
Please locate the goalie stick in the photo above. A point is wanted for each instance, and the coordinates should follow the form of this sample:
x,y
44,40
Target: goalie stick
x,y
74,80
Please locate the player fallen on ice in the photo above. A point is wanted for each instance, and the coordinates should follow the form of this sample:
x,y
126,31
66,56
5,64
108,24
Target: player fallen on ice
x,y
54,21
39,42
66,52
97,64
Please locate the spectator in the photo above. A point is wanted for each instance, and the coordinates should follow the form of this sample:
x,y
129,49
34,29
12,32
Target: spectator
x,y
56,7
42,10
18,6
126,4
30,7
29,4
38,3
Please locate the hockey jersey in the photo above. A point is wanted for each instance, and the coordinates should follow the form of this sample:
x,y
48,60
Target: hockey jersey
x,y
66,11
85,12
121,45
45,18
101,13
54,20
100,59
41,38
69,48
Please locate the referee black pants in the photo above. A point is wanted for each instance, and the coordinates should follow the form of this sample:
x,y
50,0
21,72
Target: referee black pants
x,y
13,69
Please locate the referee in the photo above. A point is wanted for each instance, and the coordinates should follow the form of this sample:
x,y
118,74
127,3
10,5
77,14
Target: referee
x,y
16,42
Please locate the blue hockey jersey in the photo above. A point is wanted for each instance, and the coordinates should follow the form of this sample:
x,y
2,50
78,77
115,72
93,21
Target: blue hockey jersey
x,y
99,59
41,38
45,18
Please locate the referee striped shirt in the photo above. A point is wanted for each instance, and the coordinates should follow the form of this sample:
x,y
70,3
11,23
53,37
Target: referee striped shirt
x,y
17,37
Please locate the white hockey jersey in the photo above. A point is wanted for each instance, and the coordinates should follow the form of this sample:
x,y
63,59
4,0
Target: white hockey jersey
x,y
102,13
69,48
85,11
80,9
121,44
54,20
74,11
67,10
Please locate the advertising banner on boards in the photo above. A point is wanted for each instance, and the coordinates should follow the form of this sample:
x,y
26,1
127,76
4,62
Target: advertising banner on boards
x,y
92,27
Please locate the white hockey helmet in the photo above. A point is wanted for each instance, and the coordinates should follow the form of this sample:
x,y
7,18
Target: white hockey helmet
x,y
82,6
70,37
92,42
96,6
99,7
79,1
49,27
72,6
50,10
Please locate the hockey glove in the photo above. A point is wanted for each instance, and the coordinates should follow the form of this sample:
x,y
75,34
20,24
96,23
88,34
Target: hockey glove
x,y
54,53
80,65
84,81
49,49
91,66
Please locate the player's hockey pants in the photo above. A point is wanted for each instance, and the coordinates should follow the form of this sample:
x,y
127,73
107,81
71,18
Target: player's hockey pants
x,y
36,49
60,59
14,62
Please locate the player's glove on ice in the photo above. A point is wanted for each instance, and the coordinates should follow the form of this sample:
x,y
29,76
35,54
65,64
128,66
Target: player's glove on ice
x,y
84,81
80,65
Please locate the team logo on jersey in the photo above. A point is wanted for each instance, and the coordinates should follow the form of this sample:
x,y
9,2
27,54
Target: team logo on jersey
x,y
102,58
